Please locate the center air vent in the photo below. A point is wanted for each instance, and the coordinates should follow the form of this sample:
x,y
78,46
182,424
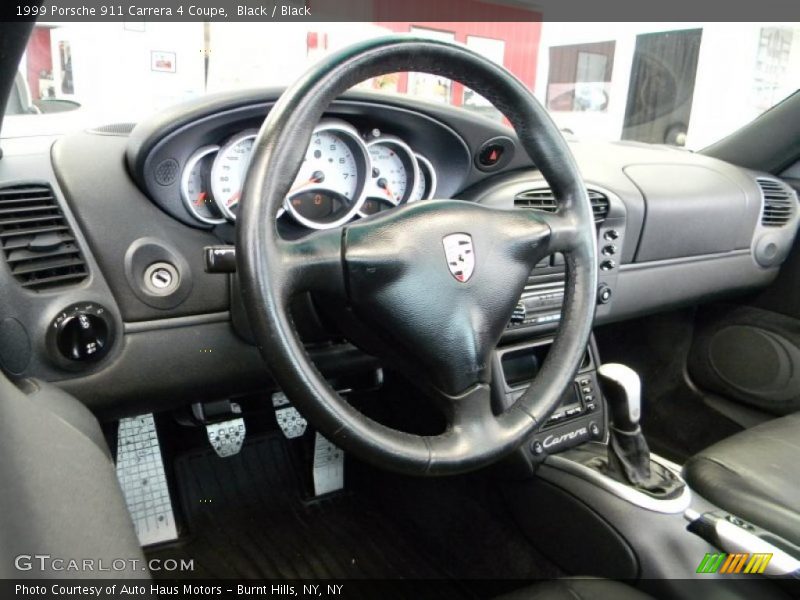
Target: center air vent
x,y
543,199
778,203
36,239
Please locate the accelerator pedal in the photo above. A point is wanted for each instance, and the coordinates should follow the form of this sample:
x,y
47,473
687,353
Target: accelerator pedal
x,y
140,470
328,467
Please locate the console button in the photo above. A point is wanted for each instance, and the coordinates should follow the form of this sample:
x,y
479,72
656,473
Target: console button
x,y
594,430
611,235
604,294
609,250
536,447
607,265
519,314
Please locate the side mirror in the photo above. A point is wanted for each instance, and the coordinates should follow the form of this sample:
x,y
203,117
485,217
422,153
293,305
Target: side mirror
x,y
56,105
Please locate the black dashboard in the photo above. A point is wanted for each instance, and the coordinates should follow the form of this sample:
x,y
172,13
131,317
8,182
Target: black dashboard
x,y
113,253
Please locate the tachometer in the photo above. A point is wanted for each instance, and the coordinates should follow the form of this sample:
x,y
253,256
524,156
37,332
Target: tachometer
x,y
393,176
229,170
195,188
329,188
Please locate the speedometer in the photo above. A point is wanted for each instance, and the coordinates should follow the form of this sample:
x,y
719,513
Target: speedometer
x,y
329,188
229,170
393,175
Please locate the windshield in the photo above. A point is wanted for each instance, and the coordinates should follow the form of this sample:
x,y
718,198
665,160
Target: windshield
x,y
680,84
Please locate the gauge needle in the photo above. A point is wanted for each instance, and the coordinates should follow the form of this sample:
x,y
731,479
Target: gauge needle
x,y
316,177
201,197
233,199
384,185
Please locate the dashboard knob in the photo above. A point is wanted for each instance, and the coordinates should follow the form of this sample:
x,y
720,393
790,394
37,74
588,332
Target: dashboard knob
x,y
82,333
519,315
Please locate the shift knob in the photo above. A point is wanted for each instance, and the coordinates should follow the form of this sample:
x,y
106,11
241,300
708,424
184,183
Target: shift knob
x,y
622,389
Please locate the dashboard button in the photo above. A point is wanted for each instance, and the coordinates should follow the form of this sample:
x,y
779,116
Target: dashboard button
x,y
604,294
607,265
609,250
494,154
611,235
491,155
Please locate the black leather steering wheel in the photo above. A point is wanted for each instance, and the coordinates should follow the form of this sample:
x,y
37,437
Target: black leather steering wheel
x,y
392,272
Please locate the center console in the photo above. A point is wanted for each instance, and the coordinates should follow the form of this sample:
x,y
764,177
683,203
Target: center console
x,y
580,416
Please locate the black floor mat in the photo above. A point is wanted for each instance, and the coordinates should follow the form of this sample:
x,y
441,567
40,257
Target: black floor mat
x,y
245,519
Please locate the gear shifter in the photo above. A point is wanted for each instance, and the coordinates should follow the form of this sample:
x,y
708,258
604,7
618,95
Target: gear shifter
x,y
628,453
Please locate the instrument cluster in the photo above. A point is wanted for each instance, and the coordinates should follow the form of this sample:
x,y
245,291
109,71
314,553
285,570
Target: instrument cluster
x,y
343,176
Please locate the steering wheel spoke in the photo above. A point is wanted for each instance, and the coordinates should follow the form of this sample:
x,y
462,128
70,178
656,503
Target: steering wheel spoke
x,y
314,263
565,233
472,429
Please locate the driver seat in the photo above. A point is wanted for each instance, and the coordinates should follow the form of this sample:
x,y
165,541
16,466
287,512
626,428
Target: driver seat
x,y
577,588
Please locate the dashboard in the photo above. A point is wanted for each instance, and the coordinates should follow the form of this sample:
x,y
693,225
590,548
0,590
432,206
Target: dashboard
x,y
107,293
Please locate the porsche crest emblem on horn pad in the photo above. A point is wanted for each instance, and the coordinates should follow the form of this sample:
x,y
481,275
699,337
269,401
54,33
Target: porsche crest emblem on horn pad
x,y
460,255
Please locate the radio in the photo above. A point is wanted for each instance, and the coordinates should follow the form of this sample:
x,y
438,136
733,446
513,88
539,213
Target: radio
x,y
543,295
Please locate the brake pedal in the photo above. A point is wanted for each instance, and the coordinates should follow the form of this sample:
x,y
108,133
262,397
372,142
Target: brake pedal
x,y
291,422
227,437
224,425
140,471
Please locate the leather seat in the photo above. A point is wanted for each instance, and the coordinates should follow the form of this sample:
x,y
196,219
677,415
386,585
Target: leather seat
x,y
755,475
573,588
60,495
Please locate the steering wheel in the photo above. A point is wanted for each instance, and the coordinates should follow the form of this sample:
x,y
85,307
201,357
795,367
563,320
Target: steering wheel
x,y
393,271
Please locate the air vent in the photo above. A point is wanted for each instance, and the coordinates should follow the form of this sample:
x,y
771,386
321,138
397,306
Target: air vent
x,y
778,203
36,239
543,199
120,129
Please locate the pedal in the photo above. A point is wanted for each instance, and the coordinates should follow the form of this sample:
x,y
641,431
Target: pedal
x,y
224,426
328,466
291,422
140,471
226,437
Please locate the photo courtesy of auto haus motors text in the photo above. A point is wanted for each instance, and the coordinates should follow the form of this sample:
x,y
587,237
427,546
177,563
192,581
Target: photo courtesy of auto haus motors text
x,y
454,300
